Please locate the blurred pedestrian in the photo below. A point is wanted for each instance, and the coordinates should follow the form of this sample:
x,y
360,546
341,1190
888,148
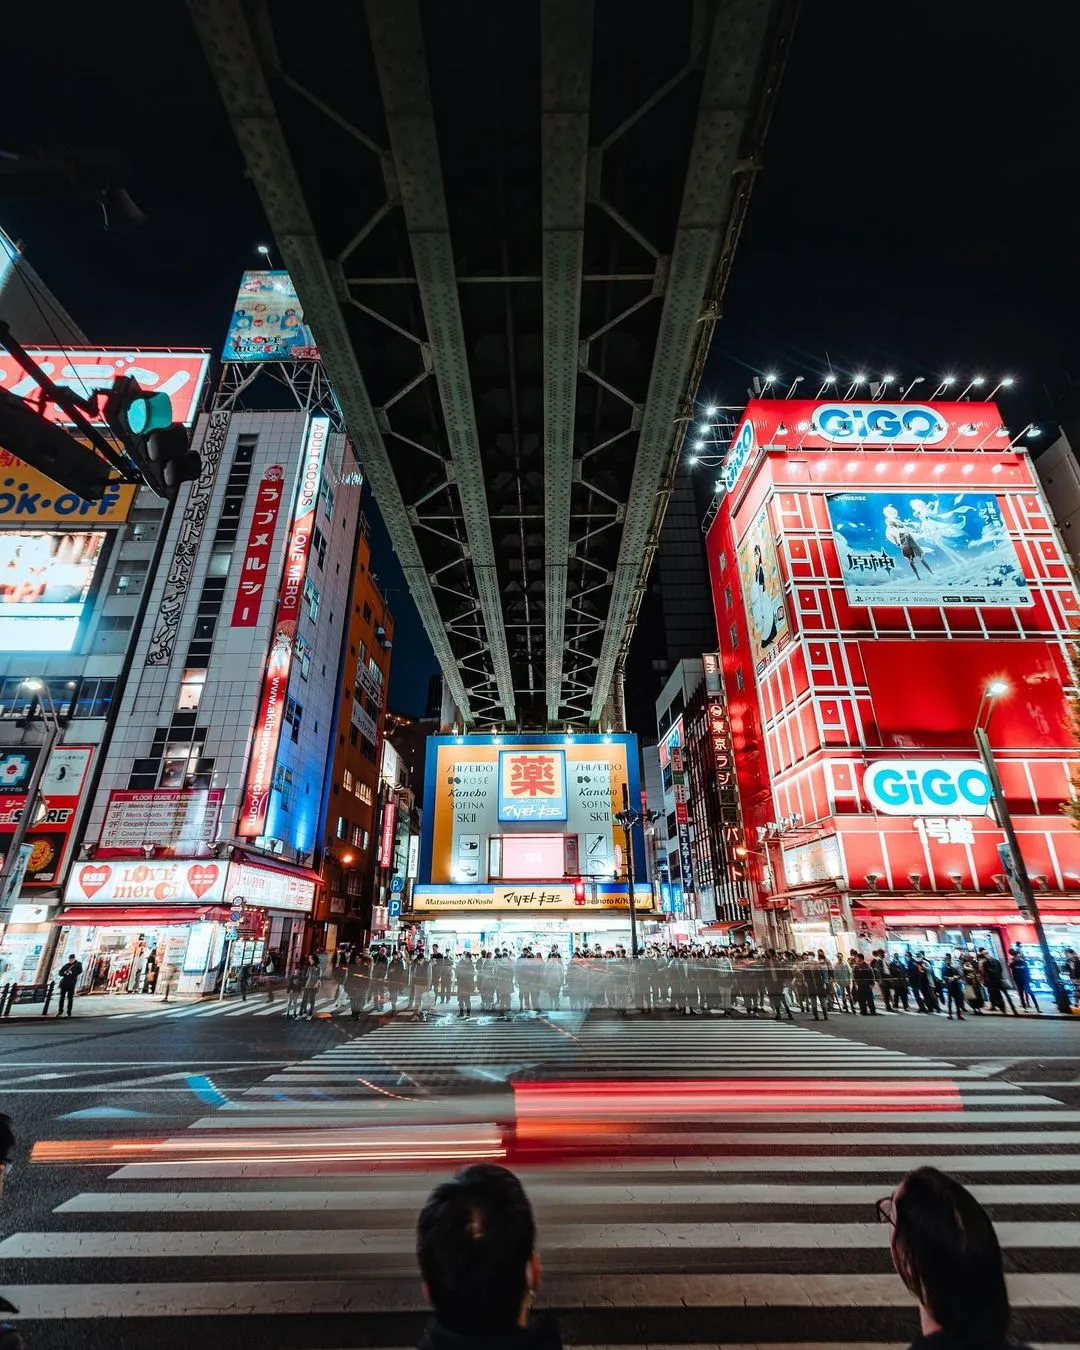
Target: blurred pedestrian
x,y
997,991
952,977
862,976
1021,975
312,976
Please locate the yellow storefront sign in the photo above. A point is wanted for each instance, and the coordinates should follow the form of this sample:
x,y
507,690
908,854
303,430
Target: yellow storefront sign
x,y
27,497
521,899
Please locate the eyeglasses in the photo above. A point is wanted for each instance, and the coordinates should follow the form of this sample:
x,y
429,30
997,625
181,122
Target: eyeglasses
x,y
886,1210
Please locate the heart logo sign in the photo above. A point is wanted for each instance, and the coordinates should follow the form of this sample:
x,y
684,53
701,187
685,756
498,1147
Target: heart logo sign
x,y
91,880
201,878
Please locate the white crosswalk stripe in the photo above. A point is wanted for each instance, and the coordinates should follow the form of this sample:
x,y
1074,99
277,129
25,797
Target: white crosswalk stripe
x,y
748,1227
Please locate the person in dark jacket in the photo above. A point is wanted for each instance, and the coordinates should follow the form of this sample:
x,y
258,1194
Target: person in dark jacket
x,y
69,978
863,981
476,1244
1021,977
952,977
817,978
945,1250
993,974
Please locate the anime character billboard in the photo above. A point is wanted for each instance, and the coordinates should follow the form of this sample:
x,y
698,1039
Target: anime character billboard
x,y
763,588
900,548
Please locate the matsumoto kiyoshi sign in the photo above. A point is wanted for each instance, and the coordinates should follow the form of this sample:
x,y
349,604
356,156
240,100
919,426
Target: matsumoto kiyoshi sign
x,y
943,787
878,424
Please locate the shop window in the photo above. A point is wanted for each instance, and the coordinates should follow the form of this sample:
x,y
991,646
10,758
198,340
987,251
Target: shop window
x,y
191,690
311,599
347,780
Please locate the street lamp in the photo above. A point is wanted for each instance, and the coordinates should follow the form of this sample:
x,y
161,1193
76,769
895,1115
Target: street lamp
x,y
1017,871
628,819
10,874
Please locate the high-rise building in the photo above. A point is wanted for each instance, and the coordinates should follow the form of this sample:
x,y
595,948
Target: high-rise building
x,y
884,575
34,315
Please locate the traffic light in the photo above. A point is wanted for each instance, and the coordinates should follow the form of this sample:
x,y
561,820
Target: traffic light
x,y
48,448
158,447
579,891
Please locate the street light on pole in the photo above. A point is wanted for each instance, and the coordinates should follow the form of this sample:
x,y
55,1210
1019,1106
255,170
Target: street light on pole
x,y
1017,870
628,819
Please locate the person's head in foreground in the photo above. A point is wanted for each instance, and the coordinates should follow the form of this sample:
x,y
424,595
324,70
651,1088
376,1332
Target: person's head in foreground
x,y
945,1250
476,1244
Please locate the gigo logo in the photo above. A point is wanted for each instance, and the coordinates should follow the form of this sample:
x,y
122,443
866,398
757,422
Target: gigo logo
x,y
737,456
941,787
879,424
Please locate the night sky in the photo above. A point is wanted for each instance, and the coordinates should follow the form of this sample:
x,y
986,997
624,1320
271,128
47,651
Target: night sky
x,y
912,214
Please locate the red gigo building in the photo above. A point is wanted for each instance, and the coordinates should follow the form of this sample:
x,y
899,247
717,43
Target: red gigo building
x,y
874,568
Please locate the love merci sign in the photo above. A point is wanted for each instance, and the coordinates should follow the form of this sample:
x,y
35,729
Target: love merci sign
x,y
146,883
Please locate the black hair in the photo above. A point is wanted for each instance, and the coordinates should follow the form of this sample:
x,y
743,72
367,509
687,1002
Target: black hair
x,y
473,1241
947,1254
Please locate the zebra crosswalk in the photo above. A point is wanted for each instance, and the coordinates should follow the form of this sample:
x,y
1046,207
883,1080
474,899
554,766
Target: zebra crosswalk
x,y
255,1005
717,1187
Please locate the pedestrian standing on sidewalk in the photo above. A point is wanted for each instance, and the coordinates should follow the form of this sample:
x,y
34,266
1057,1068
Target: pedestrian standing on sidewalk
x,y
952,977
269,971
312,977
1021,974
295,989
945,1250
863,979
69,978
997,991
842,981
245,981
899,977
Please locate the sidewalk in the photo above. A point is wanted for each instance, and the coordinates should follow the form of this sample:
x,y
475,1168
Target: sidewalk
x,y
104,1005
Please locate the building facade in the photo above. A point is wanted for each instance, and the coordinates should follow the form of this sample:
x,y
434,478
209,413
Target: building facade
x,y
208,822
875,568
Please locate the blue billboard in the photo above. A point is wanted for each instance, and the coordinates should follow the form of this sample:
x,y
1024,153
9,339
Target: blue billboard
x,y
906,548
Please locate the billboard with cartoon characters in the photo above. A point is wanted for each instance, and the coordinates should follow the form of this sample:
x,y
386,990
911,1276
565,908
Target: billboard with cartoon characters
x,y
948,548
763,587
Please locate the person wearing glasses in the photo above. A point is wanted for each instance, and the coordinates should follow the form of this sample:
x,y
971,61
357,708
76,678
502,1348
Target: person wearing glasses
x,y
945,1250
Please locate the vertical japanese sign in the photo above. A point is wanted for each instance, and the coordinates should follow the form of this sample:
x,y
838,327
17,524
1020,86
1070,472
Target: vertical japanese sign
x,y
679,785
386,841
279,662
259,548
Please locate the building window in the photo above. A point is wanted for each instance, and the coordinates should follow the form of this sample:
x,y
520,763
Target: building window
x,y
347,780
283,783
114,623
364,792
294,714
733,634
178,764
129,577
311,599
326,496
357,835
367,612
94,698
303,657
739,681
361,654
342,830
352,735
318,546
727,597
722,562
367,840
373,666
191,690
367,749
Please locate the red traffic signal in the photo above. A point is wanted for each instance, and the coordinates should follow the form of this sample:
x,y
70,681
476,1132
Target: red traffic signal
x,y
579,891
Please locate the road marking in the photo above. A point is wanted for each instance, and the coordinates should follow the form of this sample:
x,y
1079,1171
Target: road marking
x,y
242,1298
572,1191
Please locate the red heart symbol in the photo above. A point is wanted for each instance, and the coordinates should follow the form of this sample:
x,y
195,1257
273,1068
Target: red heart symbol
x,y
91,879
201,878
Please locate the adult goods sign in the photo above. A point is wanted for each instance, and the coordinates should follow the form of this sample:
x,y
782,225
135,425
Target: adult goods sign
x,y
157,882
177,821
260,547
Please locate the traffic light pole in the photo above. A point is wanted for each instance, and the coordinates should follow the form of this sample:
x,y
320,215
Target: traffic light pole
x,y
1004,819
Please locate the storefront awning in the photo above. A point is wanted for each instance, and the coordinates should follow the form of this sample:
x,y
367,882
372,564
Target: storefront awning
x,y
275,865
724,926
142,916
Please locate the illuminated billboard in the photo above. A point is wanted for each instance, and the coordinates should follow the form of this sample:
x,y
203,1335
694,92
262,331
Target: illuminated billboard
x,y
268,322
27,497
90,372
763,588
908,548
44,581
471,804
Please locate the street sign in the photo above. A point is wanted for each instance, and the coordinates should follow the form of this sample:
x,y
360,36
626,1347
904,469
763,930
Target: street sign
x,y
234,916
231,934
393,909
397,885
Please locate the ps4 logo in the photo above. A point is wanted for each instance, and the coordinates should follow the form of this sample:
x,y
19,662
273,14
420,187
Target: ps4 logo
x,y
878,424
740,452
943,787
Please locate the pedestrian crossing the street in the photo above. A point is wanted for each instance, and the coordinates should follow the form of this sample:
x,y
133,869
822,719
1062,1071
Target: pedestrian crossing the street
x,y
749,1223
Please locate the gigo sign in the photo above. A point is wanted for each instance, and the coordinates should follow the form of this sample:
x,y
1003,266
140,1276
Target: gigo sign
x,y
940,787
879,424
741,450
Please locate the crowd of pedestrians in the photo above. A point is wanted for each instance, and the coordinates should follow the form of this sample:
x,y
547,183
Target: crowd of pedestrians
x,y
691,981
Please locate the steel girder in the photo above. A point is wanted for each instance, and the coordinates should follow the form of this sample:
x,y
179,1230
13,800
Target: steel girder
x,y
401,65
566,38
730,95
230,50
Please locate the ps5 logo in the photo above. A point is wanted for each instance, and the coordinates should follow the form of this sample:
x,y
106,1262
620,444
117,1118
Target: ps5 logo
x,y
878,424
942,787
737,456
